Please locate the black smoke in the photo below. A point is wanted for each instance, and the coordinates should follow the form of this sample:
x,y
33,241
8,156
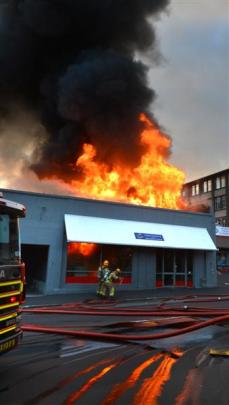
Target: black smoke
x,y
73,61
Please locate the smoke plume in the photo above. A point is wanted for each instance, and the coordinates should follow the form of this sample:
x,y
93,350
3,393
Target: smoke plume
x,y
73,63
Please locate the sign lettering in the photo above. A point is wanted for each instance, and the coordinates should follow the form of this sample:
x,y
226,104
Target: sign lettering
x,y
148,236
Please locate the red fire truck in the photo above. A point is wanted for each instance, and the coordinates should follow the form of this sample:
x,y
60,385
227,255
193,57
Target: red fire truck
x,y
12,274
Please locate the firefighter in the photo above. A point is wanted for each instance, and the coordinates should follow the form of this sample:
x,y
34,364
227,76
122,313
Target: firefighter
x,y
109,282
103,274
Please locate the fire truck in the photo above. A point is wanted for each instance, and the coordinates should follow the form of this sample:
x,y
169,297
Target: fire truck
x,y
12,274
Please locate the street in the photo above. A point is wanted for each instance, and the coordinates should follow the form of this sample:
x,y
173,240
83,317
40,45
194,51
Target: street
x,y
52,369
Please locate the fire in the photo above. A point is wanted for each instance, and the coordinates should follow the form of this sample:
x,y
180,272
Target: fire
x,y
85,249
154,182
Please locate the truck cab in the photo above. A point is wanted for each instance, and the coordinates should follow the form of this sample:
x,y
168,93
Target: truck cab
x,y
12,274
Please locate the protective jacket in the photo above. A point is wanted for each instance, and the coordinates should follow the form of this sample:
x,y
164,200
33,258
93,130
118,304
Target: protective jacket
x,y
103,276
108,282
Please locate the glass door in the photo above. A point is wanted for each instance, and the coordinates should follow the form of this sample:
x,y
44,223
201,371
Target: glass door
x,y
180,268
174,268
169,267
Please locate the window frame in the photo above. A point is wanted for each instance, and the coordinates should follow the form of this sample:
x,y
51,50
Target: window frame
x,y
195,189
220,203
220,182
207,186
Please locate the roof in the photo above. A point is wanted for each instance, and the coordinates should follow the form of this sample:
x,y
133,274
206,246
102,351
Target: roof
x,y
97,201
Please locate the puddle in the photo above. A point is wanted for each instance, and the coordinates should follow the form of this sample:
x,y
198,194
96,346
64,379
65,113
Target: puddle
x,y
192,338
73,347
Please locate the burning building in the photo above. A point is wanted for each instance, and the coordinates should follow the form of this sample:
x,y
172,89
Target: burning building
x,y
76,66
65,239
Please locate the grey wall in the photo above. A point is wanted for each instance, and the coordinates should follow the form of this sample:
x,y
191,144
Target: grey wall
x,y
44,225
143,269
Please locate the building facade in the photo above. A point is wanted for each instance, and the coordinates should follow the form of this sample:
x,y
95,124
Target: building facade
x,y
65,239
211,193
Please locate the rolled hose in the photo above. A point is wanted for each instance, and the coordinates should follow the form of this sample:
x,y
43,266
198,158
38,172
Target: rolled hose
x,y
123,337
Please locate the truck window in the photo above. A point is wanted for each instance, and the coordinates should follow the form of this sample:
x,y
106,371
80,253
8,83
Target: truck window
x,y
9,240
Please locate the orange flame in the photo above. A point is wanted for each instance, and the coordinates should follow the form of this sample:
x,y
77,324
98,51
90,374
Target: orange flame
x,y
154,182
85,249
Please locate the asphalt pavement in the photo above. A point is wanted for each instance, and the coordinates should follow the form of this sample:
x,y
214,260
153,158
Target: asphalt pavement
x,y
52,369
136,295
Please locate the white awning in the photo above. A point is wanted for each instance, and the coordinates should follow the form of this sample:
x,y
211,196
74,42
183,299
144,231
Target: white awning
x,y
133,233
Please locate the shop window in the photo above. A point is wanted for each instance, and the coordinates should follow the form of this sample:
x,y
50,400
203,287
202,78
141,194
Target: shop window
x,y
168,280
180,280
189,268
168,261
220,182
83,260
159,262
180,261
119,257
159,268
223,261
189,262
220,203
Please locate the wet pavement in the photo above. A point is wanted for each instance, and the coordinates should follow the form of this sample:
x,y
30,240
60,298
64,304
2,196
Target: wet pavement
x,y
51,369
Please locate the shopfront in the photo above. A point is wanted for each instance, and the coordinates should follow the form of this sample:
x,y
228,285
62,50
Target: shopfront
x,y
171,248
65,239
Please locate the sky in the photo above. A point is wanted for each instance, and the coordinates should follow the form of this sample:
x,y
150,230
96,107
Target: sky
x,y
192,104
192,83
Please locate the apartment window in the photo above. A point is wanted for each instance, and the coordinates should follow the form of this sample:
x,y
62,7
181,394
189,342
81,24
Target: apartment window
x,y
196,189
220,182
220,203
207,186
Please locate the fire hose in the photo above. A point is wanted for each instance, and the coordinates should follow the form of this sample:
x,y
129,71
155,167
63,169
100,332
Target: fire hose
x,y
125,337
171,312
163,309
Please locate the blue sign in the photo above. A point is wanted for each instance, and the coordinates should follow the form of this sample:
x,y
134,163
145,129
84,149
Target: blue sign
x,y
148,236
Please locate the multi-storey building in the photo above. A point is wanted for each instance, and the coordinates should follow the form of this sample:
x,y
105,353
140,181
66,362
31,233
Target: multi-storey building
x,y
211,193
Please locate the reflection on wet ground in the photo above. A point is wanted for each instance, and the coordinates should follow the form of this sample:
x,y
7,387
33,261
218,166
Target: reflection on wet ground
x,y
120,388
191,388
151,387
56,370
105,374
